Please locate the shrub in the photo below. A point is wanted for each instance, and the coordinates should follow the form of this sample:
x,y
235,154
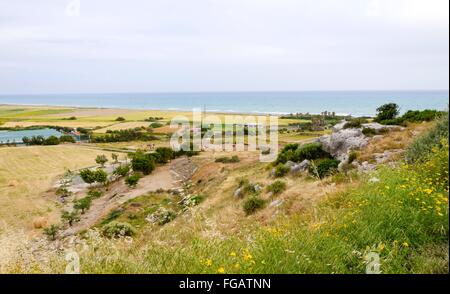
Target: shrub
x,y
100,176
232,159
70,217
369,131
94,194
277,187
52,140
281,170
156,125
140,162
66,139
421,147
326,166
88,176
115,157
101,159
83,204
296,153
165,154
51,232
132,180
387,111
118,229
253,204
120,118
352,156
166,217
355,123
122,170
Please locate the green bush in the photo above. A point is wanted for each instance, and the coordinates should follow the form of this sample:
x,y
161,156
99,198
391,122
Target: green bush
x,y
118,229
421,147
325,167
94,194
232,159
166,217
132,180
253,204
101,159
276,187
122,170
52,140
51,232
141,162
297,153
156,125
355,123
281,170
120,118
66,139
165,154
352,156
83,204
369,131
70,217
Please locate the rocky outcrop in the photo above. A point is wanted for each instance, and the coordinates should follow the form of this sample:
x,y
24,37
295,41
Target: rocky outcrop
x,y
379,128
340,143
339,126
301,167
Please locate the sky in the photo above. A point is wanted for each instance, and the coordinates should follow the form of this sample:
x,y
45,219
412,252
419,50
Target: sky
x,y
93,46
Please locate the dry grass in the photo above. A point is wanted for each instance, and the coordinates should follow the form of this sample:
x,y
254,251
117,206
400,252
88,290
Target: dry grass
x,y
26,173
123,126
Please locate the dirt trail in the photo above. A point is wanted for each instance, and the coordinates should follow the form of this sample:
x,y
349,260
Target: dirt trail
x,y
167,177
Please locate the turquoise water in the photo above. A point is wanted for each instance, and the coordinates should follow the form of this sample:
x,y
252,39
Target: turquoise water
x,y
341,102
16,136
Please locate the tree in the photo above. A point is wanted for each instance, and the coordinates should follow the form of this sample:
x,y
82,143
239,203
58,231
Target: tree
x,y
122,170
70,217
165,153
141,162
82,204
101,176
120,118
101,159
51,232
87,176
387,111
115,157
63,192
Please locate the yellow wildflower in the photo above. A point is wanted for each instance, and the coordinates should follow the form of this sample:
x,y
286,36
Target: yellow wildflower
x,y
208,262
221,270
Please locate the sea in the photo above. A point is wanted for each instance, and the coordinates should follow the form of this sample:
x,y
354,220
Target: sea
x,y
356,103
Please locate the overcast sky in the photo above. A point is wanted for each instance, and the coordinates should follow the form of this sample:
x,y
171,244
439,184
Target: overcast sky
x,y
46,46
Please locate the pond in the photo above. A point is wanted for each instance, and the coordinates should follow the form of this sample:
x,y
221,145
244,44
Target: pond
x,y
16,136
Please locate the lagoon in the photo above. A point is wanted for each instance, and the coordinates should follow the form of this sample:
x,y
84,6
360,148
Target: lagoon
x,y
16,136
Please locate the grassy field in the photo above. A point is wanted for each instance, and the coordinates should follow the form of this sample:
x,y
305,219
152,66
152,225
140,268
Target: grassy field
x,y
26,173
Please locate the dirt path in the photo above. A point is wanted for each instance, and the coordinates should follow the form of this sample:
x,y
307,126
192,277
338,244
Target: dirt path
x,y
165,177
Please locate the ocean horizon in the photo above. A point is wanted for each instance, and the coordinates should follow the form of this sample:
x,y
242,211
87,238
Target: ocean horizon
x,y
356,103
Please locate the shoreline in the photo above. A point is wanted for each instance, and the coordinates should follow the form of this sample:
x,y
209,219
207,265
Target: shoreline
x,y
212,111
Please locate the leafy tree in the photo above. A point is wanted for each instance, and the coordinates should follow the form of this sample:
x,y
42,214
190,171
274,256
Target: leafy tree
x,y
70,217
165,154
88,176
83,204
120,118
51,232
387,111
122,170
143,163
101,159
101,176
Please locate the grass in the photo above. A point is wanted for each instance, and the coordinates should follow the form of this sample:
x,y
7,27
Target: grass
x,y
26,173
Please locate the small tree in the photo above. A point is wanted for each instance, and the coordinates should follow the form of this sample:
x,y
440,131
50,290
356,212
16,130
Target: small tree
x,y
120,118
122,170
143,163
101,159
101,176
87,176
83,204
70,217
51,232
52,140
387,111
63,192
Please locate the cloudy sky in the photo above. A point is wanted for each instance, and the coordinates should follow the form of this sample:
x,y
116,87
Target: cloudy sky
x,y
51,46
